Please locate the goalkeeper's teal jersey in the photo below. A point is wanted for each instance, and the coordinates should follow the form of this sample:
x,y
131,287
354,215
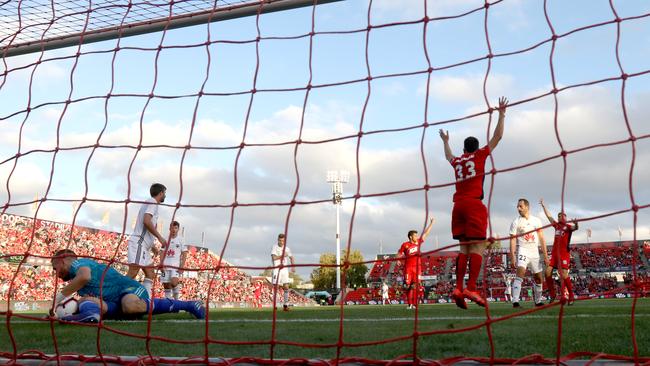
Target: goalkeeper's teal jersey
x,y
114,284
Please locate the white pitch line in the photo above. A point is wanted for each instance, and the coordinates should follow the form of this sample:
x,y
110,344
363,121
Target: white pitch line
x,y
321,320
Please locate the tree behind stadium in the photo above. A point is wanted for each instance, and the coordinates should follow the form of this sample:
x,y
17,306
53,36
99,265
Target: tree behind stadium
x,y
324,277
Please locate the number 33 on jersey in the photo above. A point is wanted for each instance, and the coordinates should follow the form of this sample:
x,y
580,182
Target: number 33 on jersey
x,y
470,173
465,172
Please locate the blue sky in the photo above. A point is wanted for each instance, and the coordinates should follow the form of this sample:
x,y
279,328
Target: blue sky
x,y
597,180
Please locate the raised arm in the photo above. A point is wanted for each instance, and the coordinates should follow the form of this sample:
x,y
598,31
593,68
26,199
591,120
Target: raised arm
x,y
498,131
428,228
444,135
546,212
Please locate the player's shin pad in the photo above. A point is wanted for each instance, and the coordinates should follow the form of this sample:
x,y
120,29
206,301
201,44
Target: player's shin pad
x,y
516,288
537,293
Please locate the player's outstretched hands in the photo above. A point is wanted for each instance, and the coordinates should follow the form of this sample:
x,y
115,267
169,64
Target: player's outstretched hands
x,y
503,104
444,135
541,202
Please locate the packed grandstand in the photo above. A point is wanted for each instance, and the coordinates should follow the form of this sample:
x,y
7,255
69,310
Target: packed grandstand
x,y
598,269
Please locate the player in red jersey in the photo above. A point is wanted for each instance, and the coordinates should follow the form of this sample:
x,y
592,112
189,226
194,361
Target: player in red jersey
x,y
469,216
410,251
560,257
257,288
421,293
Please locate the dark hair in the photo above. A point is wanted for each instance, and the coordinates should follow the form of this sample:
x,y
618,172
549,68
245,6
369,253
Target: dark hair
x,y
471,144
156,188
525,201
175,223
411,232
64,253
280,236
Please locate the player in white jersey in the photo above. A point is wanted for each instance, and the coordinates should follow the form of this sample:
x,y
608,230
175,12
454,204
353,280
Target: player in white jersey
x,y
174,259
142,240
384,294
281,276
526,236
508,291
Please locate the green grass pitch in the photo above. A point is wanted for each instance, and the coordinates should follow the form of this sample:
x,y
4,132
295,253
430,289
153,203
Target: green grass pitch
x,y
592,325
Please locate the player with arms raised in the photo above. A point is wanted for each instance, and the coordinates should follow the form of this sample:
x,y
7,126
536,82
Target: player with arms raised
x,y
561,257
410,251
469,216
173,260
526,237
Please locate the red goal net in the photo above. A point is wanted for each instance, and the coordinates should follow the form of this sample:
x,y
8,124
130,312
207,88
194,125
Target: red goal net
x,y
240,107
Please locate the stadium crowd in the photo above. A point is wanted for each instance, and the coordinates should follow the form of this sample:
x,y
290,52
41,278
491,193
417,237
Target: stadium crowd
x,y
605,259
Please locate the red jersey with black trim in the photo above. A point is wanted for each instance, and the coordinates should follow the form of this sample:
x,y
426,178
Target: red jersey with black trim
x,y
411,251
563,233
258,289
469,170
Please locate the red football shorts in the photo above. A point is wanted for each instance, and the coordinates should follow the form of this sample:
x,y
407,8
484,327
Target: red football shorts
x,y
469,220
411,275
565,260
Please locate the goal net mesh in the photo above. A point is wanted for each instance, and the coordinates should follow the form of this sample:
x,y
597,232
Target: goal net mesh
x,y
240,111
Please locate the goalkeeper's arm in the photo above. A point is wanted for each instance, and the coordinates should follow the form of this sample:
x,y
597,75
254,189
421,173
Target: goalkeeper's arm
x,y
77,283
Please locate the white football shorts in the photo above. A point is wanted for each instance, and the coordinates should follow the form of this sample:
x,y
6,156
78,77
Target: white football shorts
x,y
284,276
530,259
167,274
139,254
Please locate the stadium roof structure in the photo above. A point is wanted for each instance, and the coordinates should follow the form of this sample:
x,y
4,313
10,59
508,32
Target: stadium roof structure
x,y
29,26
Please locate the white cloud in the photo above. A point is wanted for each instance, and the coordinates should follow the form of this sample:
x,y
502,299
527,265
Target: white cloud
x,y
467,88
26,182
21,67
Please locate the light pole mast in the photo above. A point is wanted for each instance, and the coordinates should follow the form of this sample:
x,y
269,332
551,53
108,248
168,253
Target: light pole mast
x,y
336,179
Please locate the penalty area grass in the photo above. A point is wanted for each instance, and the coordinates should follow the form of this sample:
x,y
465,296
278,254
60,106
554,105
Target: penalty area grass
x,y
589,325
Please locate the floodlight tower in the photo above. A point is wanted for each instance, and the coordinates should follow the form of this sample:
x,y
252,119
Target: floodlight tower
x,y
337,179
